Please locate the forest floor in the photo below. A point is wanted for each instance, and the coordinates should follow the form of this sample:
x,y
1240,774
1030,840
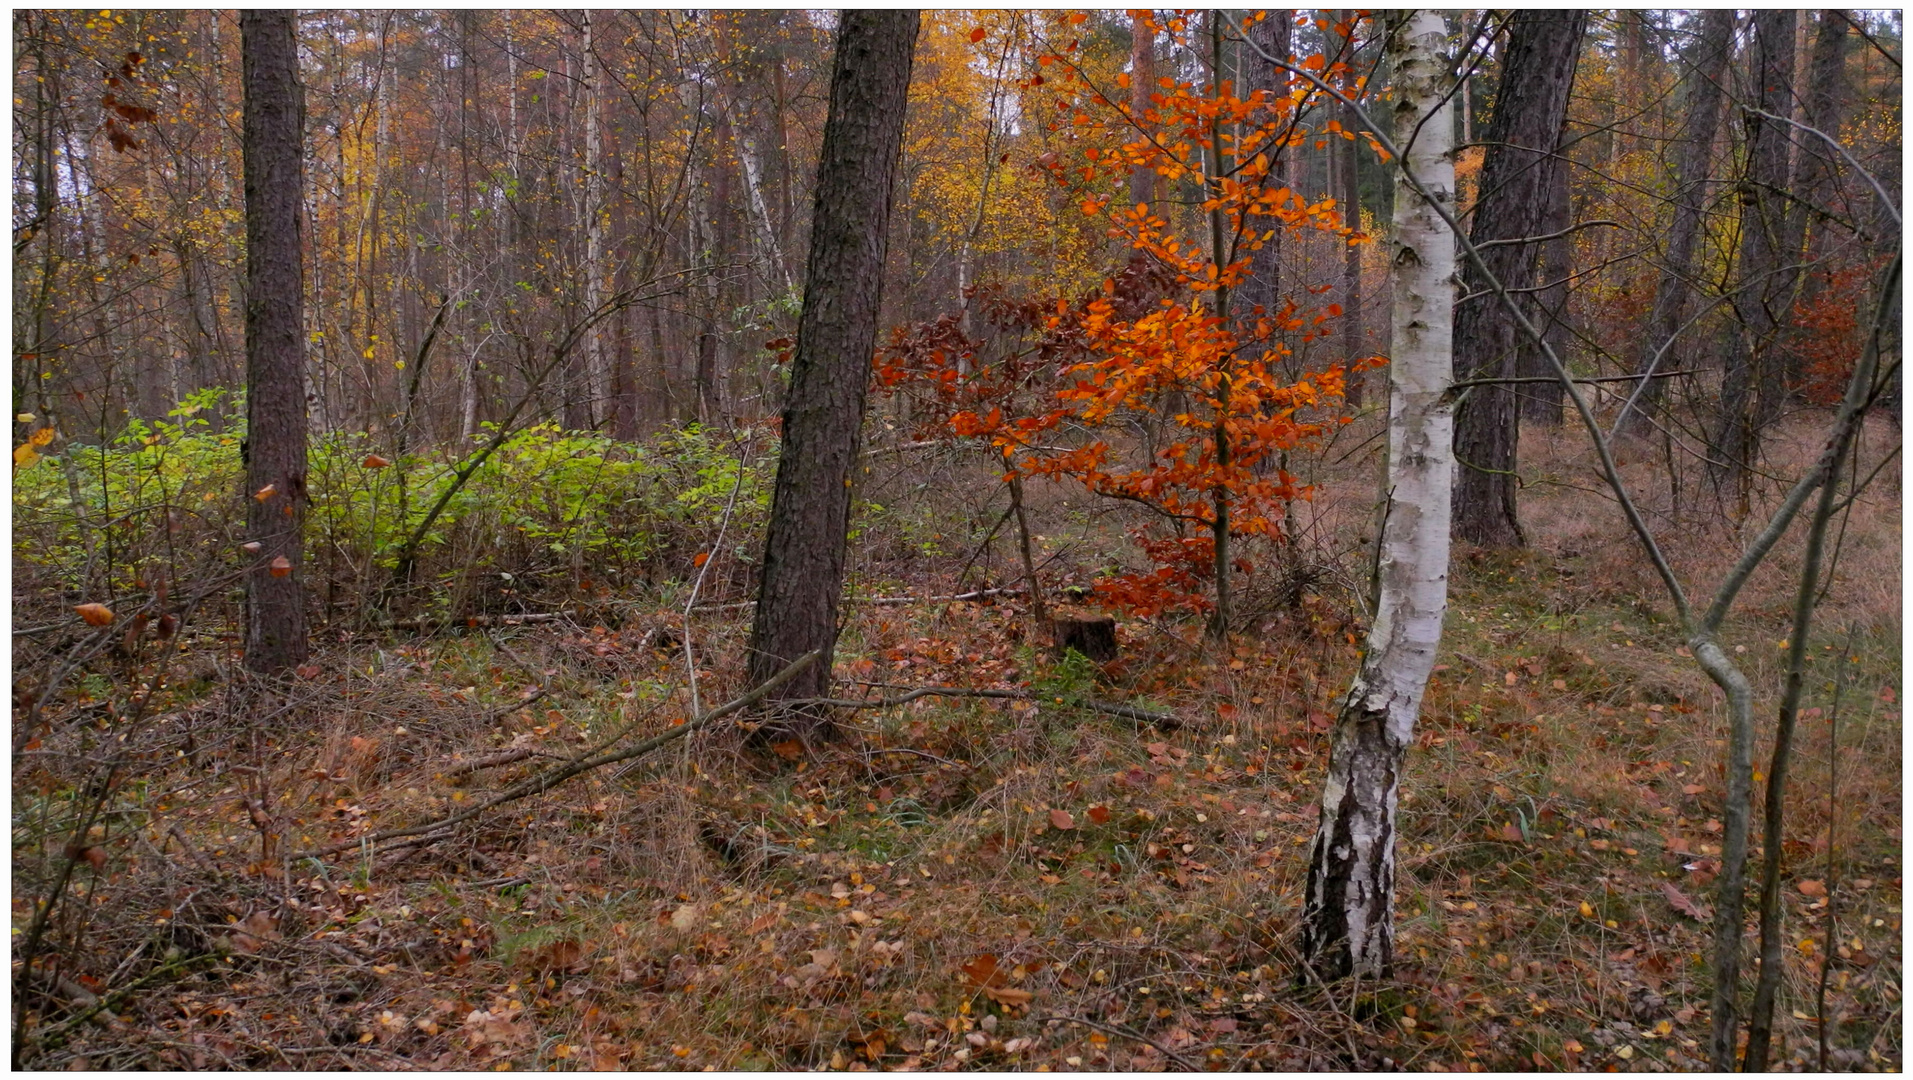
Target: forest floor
x,y
1002,884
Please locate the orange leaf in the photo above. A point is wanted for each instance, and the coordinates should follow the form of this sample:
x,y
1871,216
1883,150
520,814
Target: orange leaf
x,y
982,971
95,614
281,566
374,461
1099,814
701,558
789,749
1060,819
977,35
1810,887
266,492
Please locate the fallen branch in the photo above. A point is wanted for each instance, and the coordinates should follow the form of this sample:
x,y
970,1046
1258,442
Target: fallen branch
x,y
596,758
979,594
482,620
1166,721
506,757
1117,1029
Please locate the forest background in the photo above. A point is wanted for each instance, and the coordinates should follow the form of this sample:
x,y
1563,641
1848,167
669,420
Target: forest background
x,y
553,266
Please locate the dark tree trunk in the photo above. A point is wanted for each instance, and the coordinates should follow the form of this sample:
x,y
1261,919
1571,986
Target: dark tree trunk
x,y
1262,285
1752,384
1828,91
1537,75
274,134
1706,62
1541,402
804,547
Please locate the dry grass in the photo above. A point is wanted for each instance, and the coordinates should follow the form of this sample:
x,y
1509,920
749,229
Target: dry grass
x,y
723,908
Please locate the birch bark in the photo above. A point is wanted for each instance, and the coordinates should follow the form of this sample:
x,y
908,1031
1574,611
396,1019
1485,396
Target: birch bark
x,y
1348,924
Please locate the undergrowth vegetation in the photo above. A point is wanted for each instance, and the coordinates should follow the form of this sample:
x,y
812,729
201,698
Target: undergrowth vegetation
x,y
954,882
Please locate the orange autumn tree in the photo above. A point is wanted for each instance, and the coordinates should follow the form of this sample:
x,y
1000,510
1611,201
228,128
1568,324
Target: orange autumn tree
x,y
1209,375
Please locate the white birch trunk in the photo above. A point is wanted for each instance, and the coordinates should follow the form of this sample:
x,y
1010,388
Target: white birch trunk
x,y
1348,925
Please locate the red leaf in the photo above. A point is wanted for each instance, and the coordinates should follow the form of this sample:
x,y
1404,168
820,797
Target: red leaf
x,y
281,566
1060,819
1099,814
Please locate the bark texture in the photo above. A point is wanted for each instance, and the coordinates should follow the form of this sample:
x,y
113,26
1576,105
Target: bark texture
x,y
273,147
1706,62
1348,924
1753,382
1350,197
1142,83
1541,402
1536,76
836,336
1262,286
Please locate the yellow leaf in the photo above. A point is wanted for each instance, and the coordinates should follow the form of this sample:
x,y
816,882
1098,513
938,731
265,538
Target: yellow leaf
x,y
24,455
1587,912
41,437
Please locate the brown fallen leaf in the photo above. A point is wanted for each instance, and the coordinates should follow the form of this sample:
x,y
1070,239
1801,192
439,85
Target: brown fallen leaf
x,y
1008,996
1811,888
1060,819
1680,902
983,971
1099,814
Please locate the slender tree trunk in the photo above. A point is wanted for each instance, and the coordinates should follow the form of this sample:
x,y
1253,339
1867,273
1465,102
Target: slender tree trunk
x,y
1706,63
1350,198
1262,285
1753,383
1537,75
597,367
1219,254
804,549
1824,108
1760,1020
1348,925
274,136
1142,83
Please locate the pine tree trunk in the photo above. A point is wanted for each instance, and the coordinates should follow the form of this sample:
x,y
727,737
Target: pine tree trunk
x,y
1706,62
1536,76
1350,198
1753,382
1262,285
1142,83
1824,108
1348,923
1541,402
274,135
804,549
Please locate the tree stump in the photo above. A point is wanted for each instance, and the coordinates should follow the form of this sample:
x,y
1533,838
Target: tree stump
x,y
1092,635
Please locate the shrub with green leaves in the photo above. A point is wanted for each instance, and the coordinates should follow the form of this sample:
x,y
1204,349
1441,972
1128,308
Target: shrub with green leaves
x,y
548,512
